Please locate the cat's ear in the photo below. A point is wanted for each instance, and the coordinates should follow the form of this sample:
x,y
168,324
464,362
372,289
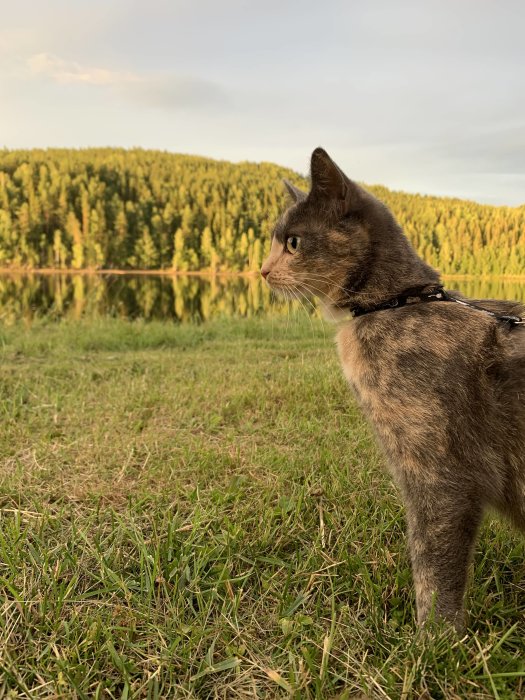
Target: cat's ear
x,y
329,182
295,193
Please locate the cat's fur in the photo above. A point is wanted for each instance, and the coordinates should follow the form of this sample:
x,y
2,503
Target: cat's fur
x,y
442,384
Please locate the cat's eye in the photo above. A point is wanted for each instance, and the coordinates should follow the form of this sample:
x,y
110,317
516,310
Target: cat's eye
x,y
292,243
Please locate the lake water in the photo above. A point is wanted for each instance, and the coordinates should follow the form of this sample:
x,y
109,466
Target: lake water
x,y
179,298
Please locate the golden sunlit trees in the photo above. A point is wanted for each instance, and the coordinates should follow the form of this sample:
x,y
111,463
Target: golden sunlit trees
x,y
116,208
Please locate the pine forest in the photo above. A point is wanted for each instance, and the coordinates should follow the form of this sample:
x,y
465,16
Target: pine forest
x,y
150,210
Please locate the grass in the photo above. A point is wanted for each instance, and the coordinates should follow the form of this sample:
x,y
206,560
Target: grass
x,y
200,512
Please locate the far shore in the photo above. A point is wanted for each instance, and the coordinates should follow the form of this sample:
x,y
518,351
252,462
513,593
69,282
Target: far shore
x,y
103,271
200,273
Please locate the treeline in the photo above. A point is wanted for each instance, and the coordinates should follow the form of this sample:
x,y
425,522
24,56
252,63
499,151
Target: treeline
x,y
115,208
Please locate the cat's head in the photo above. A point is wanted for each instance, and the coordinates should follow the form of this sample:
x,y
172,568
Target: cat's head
x,y
324,244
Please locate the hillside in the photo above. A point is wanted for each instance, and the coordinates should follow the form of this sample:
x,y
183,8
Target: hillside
x,y
115,208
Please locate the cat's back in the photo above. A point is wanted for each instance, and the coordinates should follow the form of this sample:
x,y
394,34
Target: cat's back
x,y
422,363
430,378
383,347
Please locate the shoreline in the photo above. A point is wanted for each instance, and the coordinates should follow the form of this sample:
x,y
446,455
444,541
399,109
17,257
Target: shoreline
x,y
108,271
26,271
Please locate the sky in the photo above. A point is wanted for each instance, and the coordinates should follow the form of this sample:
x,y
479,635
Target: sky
x,y
424,96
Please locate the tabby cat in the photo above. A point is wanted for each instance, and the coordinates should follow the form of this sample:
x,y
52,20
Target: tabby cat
x,y
442,383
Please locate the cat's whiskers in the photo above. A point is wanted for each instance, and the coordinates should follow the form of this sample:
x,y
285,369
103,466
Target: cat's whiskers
x,y
290,293
324,278
277,296
294,291
312,288
330,300
315,309
298,291
285,294
324,295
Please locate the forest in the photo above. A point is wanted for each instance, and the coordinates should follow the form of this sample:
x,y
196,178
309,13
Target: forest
x,y
138,209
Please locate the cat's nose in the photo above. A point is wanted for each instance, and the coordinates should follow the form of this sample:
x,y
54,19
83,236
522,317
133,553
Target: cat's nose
x,y
264,272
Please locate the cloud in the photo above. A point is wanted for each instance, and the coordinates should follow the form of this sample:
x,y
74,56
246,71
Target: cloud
x,y
165,92
62,71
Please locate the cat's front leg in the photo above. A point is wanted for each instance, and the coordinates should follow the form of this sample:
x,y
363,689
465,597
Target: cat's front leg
x,y
443,521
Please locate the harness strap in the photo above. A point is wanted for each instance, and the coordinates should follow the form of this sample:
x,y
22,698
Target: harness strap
x,y
434,294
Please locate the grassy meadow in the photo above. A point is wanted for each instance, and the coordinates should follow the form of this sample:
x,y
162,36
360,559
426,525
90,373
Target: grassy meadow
x,y
199,511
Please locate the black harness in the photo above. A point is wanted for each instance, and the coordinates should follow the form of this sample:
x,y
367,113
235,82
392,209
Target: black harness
x,y
416,296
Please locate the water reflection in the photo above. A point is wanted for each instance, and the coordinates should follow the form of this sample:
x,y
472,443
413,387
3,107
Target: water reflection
x,y
181,298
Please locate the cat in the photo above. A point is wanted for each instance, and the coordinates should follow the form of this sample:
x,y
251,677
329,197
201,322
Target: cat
x,y
442,383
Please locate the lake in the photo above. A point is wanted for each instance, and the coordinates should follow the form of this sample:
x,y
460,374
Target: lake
x,y
178,298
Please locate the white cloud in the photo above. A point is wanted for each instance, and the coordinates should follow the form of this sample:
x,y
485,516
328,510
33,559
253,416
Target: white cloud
x,y
62,71
162,91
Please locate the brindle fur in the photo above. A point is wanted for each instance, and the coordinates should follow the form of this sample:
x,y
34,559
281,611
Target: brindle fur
x,y
442,384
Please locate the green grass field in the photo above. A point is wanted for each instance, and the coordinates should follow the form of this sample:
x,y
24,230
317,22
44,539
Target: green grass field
x,y
200,512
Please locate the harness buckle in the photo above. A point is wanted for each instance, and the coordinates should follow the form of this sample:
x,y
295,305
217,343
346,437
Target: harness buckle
x,y
513,320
